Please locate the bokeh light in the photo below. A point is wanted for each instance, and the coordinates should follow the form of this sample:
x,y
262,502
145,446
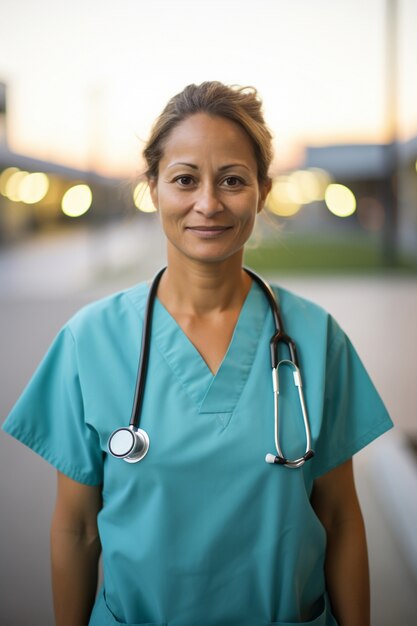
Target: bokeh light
x,y
33,188
303,187
340,200
142,198
4,178
280,200
13,185
323,180
77,200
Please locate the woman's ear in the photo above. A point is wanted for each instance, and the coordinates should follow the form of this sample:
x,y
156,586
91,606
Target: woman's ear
x,y
153,190
264,188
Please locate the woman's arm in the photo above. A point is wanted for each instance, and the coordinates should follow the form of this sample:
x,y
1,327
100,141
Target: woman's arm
x,y
75,551
335,501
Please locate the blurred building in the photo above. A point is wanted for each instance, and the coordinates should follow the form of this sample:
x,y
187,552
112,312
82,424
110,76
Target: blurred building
x,y
407,195
383,178
32,191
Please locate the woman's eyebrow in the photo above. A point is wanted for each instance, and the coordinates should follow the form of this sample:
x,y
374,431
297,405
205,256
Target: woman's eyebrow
x,y
194,167
221,169
230,165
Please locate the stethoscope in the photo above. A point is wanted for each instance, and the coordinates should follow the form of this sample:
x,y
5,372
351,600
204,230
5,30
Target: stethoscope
x,y
131,443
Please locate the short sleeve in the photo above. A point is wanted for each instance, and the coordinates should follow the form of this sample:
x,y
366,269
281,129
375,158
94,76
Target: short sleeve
x,y
353,412
49,415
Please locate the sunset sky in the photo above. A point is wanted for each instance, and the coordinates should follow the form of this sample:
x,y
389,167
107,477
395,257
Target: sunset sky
x,y
86,78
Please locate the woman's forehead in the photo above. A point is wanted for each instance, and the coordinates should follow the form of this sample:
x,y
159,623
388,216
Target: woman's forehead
x,y
202,135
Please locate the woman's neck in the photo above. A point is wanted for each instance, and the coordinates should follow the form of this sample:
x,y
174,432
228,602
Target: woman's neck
x,y
199,289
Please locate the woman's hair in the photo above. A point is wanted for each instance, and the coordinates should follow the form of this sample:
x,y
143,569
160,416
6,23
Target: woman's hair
x,y
238,104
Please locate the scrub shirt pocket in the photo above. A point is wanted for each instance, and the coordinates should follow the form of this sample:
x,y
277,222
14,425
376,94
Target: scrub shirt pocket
x,y
102,616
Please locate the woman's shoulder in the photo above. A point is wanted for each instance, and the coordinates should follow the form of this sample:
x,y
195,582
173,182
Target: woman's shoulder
x,y
111,310
297,305
291,300
302,315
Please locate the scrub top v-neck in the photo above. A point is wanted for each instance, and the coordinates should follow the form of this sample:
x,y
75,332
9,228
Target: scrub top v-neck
x,y
202,531
212,393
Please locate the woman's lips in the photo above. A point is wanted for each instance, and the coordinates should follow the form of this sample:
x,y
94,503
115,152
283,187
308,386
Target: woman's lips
x,y
208,232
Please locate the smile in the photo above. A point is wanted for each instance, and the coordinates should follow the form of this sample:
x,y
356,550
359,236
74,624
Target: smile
x,y
208,232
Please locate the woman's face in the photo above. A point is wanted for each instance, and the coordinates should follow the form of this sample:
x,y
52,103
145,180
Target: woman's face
x,y
207,192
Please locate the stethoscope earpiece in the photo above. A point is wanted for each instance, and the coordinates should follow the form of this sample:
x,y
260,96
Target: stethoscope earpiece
x,y
130,444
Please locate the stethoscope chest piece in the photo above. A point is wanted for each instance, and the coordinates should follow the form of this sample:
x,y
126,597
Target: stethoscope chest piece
x,y
130,444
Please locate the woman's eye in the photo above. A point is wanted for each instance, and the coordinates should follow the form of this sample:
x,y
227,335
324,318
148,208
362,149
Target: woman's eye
x,y
232,181
184,181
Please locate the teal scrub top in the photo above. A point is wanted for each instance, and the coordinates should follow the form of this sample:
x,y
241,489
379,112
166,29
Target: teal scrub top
x,y
202,531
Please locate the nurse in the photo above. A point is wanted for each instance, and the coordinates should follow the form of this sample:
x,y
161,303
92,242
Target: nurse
x,y
202,531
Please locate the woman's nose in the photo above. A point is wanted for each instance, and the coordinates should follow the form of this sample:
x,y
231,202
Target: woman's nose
x,y
208,201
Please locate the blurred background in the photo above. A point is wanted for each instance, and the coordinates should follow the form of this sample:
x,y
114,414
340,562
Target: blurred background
x,y
80,85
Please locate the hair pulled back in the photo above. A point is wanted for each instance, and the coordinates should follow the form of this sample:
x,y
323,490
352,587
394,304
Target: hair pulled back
x,y
238,104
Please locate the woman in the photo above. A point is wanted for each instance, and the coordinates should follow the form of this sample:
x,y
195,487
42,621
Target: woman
x,y
202,531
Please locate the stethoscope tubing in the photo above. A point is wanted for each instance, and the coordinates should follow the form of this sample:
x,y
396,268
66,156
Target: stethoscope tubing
x,y
136,440
145,349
